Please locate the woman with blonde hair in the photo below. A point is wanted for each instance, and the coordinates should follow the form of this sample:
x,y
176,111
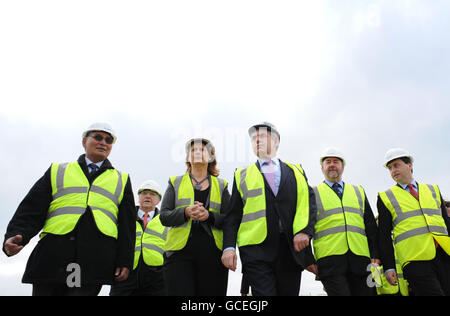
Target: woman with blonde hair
x,y
193,207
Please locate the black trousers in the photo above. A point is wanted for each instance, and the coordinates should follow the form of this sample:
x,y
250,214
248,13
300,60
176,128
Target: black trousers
x,y
279,278
63,290
430,278
348,285
197,269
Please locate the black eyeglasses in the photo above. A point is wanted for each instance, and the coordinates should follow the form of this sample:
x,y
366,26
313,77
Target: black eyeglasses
x,y
108,139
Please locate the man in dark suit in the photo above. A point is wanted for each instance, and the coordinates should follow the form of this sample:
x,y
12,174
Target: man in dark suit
x,y
271,217
346,236
85,210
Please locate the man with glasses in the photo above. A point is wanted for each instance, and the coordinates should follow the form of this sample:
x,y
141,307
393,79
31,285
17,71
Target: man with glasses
x,y
85,210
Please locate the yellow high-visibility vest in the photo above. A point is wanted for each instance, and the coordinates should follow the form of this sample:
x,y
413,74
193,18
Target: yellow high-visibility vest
x,y
340,223
251,186
72,194
184,197
150,242
416,223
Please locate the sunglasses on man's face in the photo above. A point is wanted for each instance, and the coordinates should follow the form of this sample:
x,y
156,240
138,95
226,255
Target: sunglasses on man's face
x,y
108,139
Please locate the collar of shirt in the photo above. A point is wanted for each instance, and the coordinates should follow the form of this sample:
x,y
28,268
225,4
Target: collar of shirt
x,y
330,184
405,186
88,162
275,161
141,213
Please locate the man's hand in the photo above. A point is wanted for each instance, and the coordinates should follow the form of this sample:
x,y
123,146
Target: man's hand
x,y
229,259
391,276
121,274
12,245
312,268
301,241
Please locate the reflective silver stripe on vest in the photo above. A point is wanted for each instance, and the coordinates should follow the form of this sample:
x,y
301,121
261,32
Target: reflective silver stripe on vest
x,y
152,232
107,213
360,200
153,247
176,187
401,216
420,231
433,192
138,248
66,211
245,191
339,229
61,191
253,216
323,214
113,197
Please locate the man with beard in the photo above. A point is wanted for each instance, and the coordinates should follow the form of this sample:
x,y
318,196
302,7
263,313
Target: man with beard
x,y
345,237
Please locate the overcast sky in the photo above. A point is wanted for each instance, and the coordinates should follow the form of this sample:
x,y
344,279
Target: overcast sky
x,y
364,76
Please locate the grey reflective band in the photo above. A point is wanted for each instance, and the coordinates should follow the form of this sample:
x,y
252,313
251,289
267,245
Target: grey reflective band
x,y
60,176
245,191
152,232
215,206
106,212
153,247
405,215
323,214
253,216
433,192
61,191
66,211
340,229
420,231
105,193
138,248
360,200
176,187
138,234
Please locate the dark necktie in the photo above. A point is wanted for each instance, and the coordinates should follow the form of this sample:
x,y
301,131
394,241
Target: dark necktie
x,y
93,167
336,188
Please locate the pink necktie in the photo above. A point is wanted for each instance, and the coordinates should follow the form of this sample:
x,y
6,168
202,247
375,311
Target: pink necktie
x,y
145,220
270,175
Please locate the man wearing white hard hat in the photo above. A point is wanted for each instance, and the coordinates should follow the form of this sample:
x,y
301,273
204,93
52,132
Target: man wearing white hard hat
x,y
271,218
413,217
345,238
147,277
85,210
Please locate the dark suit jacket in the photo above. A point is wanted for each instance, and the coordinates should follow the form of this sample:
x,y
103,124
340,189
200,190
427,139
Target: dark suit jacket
x,y
279,209
97,254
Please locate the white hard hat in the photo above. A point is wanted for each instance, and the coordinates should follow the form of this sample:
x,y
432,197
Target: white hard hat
x,y
152,186
269,126
396,153
103,127
332,152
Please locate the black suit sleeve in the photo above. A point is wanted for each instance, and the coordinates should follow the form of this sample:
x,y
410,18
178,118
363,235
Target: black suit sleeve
x,y
126,229
233,218
31,213
386,248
